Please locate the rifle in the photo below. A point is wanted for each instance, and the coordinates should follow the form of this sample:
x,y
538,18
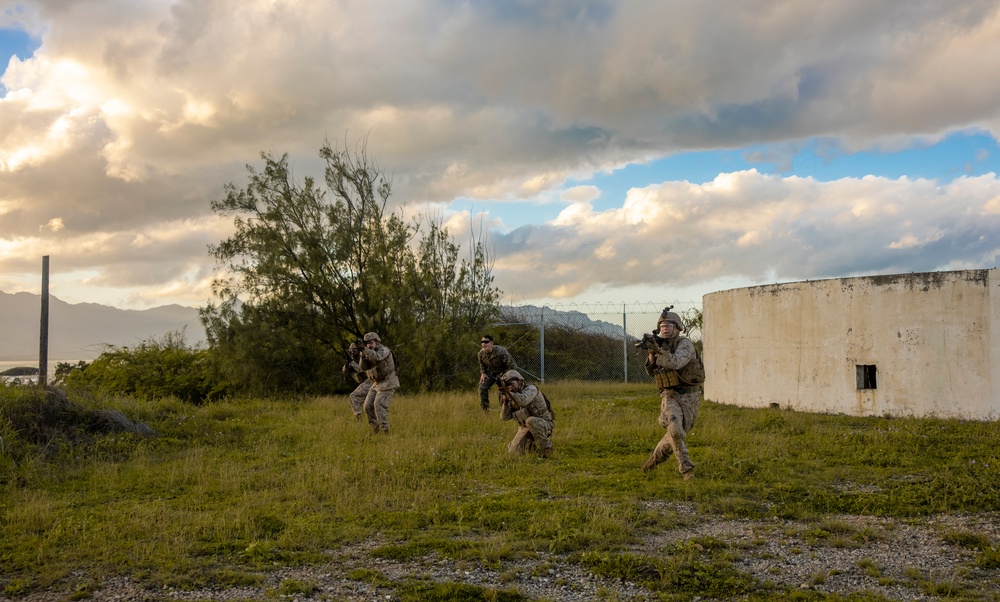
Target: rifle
x,y
649,339
353,351
653,338
504,390
353,354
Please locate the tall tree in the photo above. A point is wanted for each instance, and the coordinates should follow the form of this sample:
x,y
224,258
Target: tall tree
x,y
310,268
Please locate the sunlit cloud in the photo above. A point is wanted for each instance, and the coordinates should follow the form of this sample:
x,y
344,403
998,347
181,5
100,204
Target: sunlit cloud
x,y
130,117
757,227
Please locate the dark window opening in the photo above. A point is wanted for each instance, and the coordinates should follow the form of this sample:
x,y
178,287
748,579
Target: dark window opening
x,y
866,377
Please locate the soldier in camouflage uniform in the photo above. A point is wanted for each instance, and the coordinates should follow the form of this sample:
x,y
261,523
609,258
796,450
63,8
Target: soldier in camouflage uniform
x,y
380,366
679,401
494,362
353,369
526,404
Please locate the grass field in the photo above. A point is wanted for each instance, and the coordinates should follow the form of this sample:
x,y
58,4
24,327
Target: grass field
x,y
235,487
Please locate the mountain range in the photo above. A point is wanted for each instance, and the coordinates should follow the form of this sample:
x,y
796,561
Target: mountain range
x,y
83,331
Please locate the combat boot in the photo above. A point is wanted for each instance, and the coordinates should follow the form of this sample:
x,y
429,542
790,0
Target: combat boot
x,y
688,474
545,452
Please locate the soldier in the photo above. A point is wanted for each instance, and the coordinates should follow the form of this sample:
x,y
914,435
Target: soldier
x,y
494,361
353,369
526,404
380,366
676,366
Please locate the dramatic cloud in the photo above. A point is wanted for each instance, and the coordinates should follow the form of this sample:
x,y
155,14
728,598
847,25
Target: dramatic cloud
x,y
130,116
759,228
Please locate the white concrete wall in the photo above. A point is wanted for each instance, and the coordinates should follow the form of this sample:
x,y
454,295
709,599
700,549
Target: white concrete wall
x,y
933,337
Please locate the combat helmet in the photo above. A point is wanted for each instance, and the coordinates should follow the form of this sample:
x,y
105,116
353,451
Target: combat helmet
x,y
371,336
512,375
668,316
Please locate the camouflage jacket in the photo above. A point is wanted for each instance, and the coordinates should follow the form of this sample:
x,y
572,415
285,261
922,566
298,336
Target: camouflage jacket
x,y
380,366
528,402
495,363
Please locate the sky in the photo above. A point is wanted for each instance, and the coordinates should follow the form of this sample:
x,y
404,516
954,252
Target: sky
x,y
607,152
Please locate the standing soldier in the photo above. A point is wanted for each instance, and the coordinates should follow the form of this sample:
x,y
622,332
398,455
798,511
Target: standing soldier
x,y
353,369
529,406
679,374
494,361
380,366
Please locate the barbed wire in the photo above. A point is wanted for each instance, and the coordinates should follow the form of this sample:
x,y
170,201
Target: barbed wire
x,y
614,307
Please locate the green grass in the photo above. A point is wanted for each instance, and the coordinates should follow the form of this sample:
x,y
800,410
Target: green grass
x,y
236,487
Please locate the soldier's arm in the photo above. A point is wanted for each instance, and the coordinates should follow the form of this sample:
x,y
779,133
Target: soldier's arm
x,y
679,358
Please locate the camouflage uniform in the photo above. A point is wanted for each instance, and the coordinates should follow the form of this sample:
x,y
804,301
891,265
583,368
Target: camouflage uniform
x,y
493,365
533,415
380,366
353,369
678,404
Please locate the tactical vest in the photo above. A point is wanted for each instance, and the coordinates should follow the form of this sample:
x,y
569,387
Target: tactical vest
x,y
690,375
379,370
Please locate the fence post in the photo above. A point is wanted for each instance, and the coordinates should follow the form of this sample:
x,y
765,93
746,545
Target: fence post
x,y
624,344
43,335
541,343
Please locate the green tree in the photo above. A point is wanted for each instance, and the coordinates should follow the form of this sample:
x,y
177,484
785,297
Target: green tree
x,y
310,268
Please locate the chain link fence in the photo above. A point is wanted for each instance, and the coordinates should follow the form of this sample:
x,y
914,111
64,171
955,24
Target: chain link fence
x,y
586,341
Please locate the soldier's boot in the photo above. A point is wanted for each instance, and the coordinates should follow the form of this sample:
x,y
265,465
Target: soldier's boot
x,y
545,452
688,474
651,462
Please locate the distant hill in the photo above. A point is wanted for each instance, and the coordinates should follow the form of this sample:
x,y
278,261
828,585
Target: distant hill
x,y
82,331
572,319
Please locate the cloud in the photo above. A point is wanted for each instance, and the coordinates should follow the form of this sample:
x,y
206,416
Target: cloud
x,y
131,116
756,227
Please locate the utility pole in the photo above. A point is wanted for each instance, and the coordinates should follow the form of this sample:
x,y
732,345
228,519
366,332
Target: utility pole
x,y
43,339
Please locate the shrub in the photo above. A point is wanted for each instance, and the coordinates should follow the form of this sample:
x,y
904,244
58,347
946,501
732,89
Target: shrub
x,y
153,369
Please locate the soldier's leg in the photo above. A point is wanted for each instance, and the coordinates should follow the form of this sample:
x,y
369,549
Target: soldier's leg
x,y
665,447
358,398
688,405
370,409
521,441
484,392
541,431
382,409
677,435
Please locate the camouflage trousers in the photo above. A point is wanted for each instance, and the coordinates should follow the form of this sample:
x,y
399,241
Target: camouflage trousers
x,y
358,396
677,414
535,432
377,409
484,392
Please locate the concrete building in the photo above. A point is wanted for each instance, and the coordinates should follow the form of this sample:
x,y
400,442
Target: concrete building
x,y
903,345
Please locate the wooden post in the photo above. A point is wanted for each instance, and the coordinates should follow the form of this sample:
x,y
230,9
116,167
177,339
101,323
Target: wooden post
x,y
43,339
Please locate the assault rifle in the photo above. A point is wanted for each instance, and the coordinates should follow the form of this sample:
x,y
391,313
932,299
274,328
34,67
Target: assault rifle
x,y
504,389
649,339
653,338
353,351
353,354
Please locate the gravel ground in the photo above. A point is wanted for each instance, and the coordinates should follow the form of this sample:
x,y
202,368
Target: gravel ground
x,y
866,554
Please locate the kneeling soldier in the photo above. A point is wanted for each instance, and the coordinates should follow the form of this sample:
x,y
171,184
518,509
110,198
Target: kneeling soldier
x,y
526,404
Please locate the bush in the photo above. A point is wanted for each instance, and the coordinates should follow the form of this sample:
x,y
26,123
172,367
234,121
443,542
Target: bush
x,y
151,370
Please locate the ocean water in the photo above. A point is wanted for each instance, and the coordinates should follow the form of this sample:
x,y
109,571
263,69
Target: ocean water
x,y
51,370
